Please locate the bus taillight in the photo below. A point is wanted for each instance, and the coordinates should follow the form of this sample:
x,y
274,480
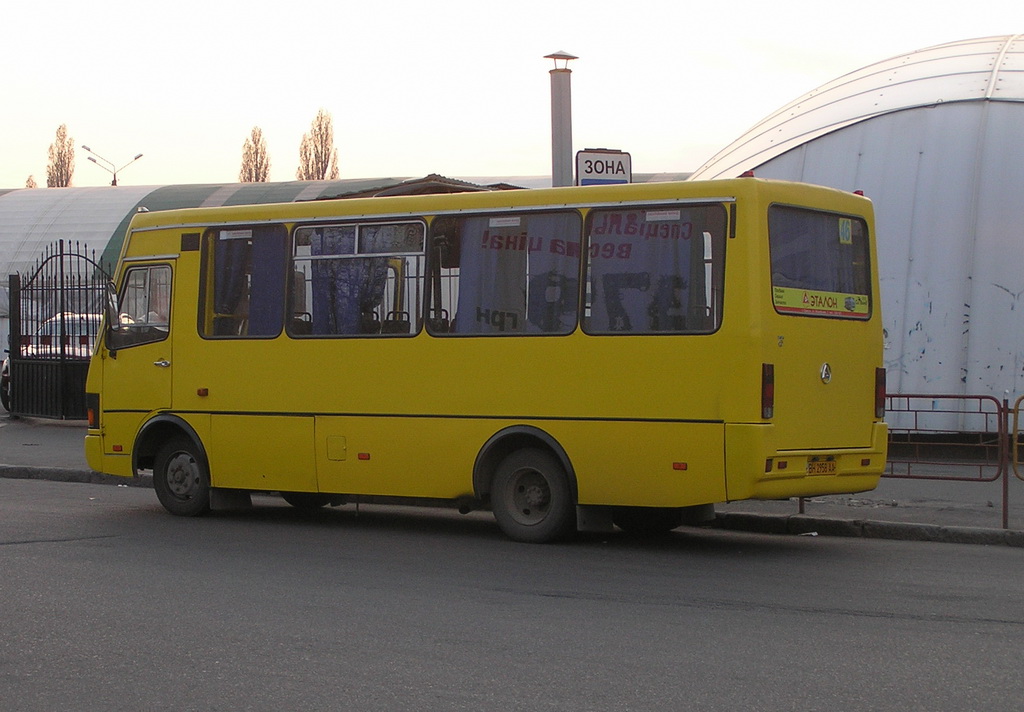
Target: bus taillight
x,y
879,393
767,390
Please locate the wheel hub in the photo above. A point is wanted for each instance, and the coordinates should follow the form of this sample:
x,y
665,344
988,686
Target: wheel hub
x,y
183,476
531,496
534,496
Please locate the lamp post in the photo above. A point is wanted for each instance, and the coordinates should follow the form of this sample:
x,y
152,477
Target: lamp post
x,y
112,169
561,119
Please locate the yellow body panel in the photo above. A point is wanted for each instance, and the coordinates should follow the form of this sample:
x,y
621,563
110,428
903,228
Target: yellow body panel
x,y
257,452
657,420
436,456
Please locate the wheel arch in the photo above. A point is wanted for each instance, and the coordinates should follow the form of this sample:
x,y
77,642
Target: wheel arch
x,y
510,439
155,432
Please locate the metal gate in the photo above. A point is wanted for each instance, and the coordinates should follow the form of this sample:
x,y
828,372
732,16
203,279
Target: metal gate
x,y
55,315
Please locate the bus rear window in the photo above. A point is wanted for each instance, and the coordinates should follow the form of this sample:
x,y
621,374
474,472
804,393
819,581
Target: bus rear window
x,y
819,263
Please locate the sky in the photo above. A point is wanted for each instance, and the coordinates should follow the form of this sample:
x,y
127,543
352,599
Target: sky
x,y
455,87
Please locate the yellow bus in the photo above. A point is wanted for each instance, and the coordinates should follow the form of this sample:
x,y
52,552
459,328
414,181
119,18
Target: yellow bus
x,y
570,358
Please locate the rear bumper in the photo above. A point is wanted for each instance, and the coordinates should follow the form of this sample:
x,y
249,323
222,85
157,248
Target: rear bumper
x,y
756,469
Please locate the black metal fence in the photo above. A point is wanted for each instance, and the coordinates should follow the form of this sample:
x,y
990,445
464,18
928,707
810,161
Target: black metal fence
x,y
54,318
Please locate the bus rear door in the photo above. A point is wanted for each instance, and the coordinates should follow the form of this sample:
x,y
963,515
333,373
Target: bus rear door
x,y
824,331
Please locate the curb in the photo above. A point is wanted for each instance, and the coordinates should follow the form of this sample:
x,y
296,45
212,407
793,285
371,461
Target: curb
x,y
63,474
802,524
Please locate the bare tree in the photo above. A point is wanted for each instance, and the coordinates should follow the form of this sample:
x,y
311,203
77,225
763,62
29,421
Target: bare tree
x,y
255,159
318,158
31,182
62,160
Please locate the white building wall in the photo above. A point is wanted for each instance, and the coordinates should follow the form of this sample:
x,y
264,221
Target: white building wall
x,y
948,187
996,345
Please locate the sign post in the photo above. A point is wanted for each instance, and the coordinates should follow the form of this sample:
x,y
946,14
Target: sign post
x,y
603,166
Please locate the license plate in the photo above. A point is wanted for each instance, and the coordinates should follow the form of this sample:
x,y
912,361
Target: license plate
x,y
821,466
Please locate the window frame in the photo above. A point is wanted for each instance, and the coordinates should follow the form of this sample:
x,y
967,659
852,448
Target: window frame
x,y
207,276
416,314
434,263
824,312
715,267
129,334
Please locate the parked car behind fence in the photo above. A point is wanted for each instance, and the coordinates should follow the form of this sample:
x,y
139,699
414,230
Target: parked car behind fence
x,y
79,334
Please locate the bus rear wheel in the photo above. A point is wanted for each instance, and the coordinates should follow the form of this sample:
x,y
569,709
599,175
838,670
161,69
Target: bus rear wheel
x,y
531,498
180,478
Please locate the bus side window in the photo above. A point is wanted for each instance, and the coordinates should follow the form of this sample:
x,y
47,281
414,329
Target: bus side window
x,y
655,269
357,279
144,307
245,282
505,274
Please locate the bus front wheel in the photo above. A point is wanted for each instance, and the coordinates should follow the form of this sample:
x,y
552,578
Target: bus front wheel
x,y
180,478
530,497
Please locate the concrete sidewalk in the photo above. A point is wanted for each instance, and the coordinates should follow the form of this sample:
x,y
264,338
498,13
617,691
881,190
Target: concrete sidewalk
x,y
925,510
34,448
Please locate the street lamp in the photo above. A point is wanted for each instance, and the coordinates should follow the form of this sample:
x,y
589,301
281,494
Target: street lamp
x,y
561,119
111,169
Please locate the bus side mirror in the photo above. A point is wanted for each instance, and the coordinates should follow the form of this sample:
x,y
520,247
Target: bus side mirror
x,y
112,317
112,313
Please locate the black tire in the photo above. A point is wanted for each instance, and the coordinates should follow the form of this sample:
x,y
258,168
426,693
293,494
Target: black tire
x,y
306,501
647,521
531,498
181,478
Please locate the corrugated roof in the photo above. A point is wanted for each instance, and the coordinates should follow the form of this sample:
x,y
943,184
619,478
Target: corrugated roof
x,y
430,184
96,218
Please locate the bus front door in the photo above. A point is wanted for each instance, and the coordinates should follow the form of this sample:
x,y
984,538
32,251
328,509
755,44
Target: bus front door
x,y
137,359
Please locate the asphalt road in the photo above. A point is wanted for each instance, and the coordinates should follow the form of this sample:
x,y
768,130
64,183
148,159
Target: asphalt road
x,y
108,603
